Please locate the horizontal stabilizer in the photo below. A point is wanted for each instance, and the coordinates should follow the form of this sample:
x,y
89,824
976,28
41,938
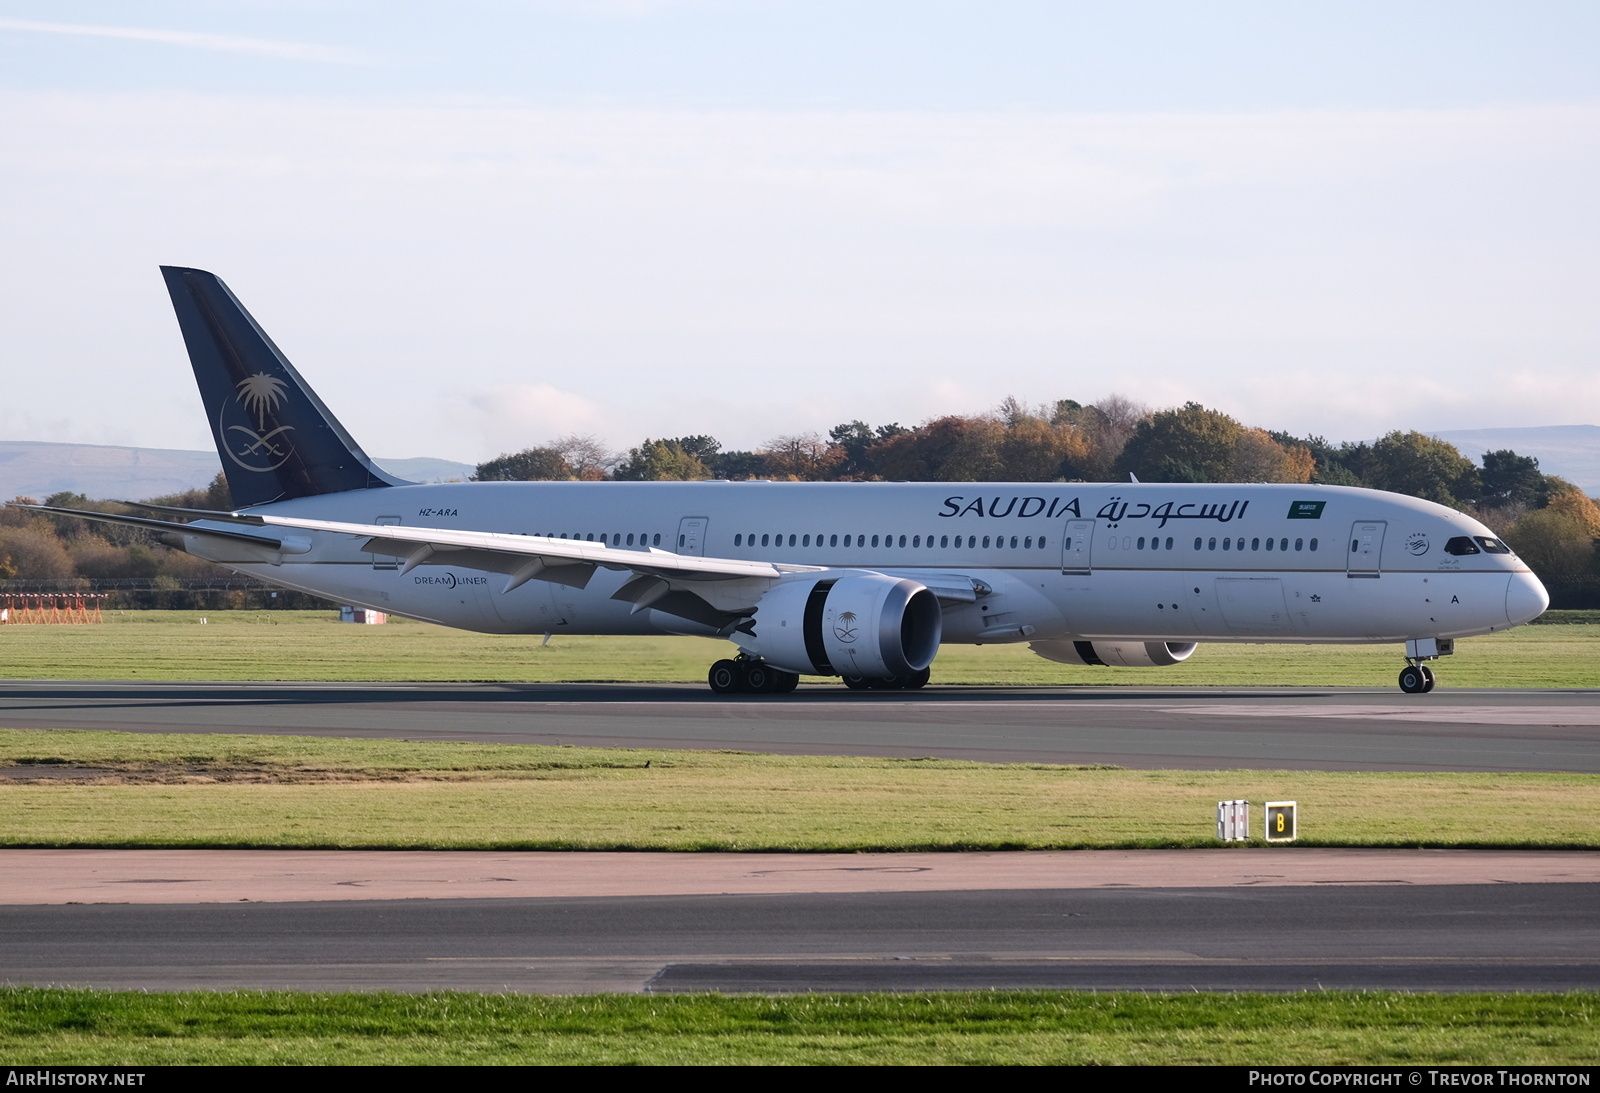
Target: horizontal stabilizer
x,y
268,542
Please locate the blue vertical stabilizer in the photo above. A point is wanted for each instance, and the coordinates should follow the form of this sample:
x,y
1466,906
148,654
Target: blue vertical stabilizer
x,y
276,438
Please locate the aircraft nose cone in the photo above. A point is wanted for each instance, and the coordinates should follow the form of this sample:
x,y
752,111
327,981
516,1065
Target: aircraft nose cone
x,y
1526,599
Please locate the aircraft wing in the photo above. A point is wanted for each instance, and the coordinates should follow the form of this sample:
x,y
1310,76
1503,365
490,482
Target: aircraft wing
x,y
527,557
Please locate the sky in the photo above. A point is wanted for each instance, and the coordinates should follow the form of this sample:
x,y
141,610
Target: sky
x,y
475,227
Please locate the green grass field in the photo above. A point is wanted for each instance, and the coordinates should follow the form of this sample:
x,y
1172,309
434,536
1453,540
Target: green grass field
x,y
191,791
56,1027
145,790
308,645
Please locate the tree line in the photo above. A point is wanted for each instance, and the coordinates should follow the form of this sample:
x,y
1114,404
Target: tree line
x,y
1547,520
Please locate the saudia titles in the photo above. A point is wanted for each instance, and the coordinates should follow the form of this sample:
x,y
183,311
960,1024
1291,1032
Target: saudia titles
x,y
1114,511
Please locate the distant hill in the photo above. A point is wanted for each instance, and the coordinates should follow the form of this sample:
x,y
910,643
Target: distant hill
x,y
30,469
1569,451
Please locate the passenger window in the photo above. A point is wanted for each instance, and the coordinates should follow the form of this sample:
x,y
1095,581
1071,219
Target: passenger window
x,y
1028,542
1255,544
1225,543
944,540
833,540
985,540
657,539
1141,542
1269,544
791,540
1313,544
874,540
1212,545
902,540
1169,542
630,539
1297,543
764,539
1197,542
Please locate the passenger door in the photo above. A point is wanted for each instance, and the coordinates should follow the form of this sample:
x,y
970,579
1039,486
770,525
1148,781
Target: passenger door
x,y
1076,541
1366,548
692,536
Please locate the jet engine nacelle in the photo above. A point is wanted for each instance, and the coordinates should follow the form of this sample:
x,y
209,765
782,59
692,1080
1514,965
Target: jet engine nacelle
x,y
1118,654
864,624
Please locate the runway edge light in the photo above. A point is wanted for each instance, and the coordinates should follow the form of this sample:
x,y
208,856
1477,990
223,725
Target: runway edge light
x,y
1282,821
1233,821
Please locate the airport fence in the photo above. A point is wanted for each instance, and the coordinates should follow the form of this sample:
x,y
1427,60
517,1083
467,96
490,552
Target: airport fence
x,y
172,593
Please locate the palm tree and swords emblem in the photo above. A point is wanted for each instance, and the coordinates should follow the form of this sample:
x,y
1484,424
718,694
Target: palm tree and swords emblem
x,y
260,395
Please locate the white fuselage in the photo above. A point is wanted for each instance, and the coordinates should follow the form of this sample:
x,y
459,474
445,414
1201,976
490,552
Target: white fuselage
x,y
1182,563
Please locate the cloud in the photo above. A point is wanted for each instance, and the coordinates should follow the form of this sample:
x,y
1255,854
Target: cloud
x,y
511,417
215,43
470,278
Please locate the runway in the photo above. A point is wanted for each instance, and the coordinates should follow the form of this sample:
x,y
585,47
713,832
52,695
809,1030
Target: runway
x,y
1259,920
1149,728
1271,919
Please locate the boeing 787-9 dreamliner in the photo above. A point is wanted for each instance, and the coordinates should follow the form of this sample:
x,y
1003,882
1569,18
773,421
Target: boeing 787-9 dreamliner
x,y
862,580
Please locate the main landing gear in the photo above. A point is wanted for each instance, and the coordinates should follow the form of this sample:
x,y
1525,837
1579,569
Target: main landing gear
x,y
752,675
914,681
749,675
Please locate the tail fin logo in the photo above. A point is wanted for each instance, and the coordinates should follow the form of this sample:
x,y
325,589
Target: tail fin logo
x,y
260,448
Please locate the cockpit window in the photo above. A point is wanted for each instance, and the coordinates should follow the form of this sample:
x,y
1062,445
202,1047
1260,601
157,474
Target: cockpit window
x,y
1492,546
1461,544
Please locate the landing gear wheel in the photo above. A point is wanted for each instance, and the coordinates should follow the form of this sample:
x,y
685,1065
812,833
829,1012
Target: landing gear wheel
x,y
857,683
1413,681
758,677
1427,675
725,677
918,680
785,683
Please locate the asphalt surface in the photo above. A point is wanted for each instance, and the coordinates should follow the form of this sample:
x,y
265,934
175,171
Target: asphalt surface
x,y
1382,930
1182,728
1536,937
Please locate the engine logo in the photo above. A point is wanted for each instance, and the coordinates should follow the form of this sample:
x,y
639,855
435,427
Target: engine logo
x,y
844,627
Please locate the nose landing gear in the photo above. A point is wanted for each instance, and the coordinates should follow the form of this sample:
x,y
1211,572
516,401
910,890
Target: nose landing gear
x,y
1416,678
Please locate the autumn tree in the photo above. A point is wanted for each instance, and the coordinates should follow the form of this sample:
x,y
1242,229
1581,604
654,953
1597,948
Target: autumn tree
x,y
529,465
1559,539
1192,444
804,457
1422,466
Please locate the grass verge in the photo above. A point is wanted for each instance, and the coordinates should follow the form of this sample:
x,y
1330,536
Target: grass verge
x,y
107,789
309,645
85,1027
